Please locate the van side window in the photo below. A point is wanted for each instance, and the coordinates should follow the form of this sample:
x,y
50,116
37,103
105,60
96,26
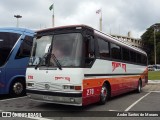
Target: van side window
x,y
25,48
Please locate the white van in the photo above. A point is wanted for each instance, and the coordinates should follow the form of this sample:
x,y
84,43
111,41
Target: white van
x,y
154,67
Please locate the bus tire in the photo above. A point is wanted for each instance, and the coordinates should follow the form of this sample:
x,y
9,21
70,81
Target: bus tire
x,y
17,88
139,87
104,95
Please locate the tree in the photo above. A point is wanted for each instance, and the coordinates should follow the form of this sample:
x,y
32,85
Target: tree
x,y
148,43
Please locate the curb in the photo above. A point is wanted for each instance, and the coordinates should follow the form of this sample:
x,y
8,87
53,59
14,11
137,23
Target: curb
x,y
153,81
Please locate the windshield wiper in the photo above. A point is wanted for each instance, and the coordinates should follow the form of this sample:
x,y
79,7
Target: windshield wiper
x,y
41,60
44,58
57,62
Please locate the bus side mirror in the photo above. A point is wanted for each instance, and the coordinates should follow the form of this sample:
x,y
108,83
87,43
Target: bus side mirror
x,y
47,49
91,50
90,55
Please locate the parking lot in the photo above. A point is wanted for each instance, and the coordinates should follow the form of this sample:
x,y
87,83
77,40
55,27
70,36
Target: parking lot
x,y
147,100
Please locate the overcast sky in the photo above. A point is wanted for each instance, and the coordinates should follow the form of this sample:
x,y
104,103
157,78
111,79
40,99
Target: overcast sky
x,y
118,16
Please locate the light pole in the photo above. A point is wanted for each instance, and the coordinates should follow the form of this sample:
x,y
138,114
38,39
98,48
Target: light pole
x,y
155,62
17,16
52,8
155,27
53,16
100,21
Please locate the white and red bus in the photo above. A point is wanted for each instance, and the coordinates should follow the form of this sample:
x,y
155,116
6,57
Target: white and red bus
x,y
78,65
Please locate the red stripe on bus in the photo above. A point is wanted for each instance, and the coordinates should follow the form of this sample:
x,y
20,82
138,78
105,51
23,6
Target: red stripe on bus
x,y
119,85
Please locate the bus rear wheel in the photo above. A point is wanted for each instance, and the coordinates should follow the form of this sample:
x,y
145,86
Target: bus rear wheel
x,y
17,89
104,95
139,88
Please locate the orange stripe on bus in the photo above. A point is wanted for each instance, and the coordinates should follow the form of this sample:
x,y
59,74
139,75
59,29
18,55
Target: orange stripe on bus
x,y
95,82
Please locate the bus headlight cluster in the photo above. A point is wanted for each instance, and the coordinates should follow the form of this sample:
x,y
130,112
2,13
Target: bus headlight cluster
x,y
71,87
30,84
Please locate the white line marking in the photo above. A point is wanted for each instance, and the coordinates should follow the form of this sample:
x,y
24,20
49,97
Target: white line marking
x,y
13,98
155,91
136,102
113,110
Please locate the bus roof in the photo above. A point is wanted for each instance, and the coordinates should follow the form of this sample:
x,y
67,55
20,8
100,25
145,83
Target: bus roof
x,y
63,27
109,37
17,30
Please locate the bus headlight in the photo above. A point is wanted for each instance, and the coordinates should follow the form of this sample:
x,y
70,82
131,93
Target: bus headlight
x,y
30,84
71,87
66,87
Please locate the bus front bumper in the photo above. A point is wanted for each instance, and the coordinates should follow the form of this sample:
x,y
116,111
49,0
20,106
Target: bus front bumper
x,y
56,97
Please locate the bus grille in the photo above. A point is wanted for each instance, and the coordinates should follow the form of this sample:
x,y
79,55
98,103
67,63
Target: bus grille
x,y
48,86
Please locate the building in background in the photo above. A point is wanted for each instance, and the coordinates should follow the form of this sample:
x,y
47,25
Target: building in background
x,y
130,40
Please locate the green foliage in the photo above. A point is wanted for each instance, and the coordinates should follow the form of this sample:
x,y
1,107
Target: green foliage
x,y
154,75
148,44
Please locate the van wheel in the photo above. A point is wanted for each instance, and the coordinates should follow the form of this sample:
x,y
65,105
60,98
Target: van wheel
x,y
104,95
17,89
139,88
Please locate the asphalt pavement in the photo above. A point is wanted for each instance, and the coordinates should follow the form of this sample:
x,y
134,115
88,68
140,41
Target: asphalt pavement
x,y
147,100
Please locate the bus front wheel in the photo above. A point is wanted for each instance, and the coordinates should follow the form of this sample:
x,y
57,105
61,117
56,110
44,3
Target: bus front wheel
x,y
104,95
17,88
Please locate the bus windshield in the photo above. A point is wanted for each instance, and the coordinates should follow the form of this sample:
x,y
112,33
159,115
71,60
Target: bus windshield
x,y
7,41
67,48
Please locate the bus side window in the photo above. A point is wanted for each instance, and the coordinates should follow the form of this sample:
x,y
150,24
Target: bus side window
x,y
115,51
104,50
25,48
144,60
125,54
138,58
133,56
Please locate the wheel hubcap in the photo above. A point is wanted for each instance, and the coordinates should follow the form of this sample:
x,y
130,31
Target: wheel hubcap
x,y
18,88
103,93
139,87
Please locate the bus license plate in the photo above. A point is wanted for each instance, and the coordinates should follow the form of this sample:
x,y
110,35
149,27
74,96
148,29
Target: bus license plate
x,y
48,98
